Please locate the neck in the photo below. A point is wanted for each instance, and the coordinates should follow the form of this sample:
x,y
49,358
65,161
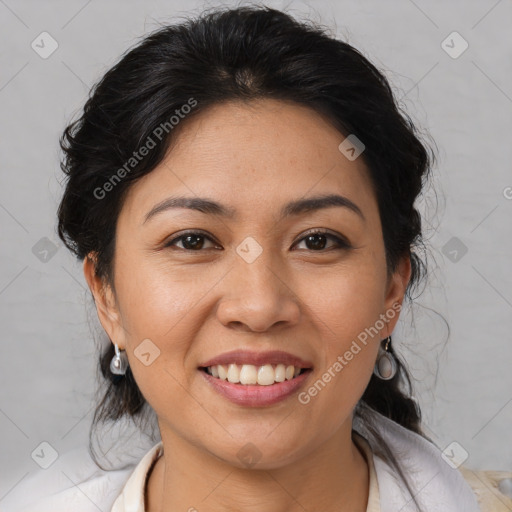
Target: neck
x,y
334,477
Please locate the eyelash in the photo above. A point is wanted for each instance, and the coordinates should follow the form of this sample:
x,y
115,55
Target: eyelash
x,y
342,244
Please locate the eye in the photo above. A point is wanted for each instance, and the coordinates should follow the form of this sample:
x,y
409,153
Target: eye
x,y
191,241
316,240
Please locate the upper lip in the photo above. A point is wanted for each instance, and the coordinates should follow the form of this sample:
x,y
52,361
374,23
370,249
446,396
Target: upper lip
x,y
257,358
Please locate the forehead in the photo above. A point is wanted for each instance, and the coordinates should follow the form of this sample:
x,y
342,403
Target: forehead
x,y
253,156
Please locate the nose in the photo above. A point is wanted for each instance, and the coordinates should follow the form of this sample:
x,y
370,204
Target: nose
x,y
257,298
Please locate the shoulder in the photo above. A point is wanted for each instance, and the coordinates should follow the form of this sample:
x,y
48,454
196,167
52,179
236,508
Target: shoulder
x,y
493,489
437,484
72,482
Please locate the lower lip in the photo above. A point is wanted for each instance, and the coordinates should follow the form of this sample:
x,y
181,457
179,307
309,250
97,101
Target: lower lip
x,y
256,395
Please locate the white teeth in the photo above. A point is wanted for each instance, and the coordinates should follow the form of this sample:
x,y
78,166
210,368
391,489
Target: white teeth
x,y
266,375
223,373
248,374
233,373
280,373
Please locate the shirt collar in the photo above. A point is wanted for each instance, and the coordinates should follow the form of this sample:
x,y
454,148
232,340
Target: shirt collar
x,y
131,498
373,494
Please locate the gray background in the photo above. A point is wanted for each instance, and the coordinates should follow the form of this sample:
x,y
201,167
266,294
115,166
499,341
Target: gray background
x,y
463,381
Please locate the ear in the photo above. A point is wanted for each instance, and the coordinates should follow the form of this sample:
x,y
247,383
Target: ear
x,y
104,299
397,285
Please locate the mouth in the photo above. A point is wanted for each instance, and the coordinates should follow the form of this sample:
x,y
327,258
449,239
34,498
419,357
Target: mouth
x,y
256,395
256,379
252,375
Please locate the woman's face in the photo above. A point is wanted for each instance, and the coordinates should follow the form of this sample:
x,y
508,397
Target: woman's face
x,y
253,281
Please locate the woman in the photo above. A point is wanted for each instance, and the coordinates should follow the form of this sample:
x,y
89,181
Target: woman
x,y
241,192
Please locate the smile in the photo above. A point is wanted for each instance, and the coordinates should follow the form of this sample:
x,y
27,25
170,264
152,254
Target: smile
x,y
255,395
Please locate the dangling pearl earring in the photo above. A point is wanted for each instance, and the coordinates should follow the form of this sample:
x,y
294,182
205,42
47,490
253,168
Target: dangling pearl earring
x,y
385,366
119,363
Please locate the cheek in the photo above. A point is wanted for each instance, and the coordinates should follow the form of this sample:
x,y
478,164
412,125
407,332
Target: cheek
x,y
346,312
348,347
155,309
153,300
348,299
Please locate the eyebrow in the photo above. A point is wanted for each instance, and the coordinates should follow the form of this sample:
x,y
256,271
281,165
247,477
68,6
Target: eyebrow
x,y
297,207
